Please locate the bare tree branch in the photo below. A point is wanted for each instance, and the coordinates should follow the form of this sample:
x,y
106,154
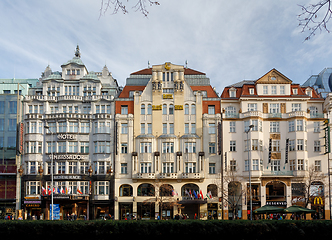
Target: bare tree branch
x,y
315,17
117,5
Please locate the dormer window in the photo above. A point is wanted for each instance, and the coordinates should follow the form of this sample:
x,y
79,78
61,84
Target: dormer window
x,y
295,91
251,91
232,92
308,92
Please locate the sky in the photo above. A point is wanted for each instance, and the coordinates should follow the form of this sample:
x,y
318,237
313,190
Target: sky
x,y
230,41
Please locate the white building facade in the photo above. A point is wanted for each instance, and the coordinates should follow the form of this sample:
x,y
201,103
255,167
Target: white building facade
x,y
77,108
285,145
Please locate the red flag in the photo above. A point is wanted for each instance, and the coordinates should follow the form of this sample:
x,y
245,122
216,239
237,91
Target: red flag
x,y
201,194
79,191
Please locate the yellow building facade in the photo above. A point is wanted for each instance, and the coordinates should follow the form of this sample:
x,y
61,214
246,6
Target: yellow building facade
x,y
167,163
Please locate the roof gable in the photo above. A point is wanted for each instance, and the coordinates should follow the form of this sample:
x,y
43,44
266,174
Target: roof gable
x,y
273,77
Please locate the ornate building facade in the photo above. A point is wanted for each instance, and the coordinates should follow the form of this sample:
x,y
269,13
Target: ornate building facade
x,y
166,145
68,118
279,127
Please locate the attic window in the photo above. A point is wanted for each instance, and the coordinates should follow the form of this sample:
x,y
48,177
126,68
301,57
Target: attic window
x,y
294,91
251,91
273,78
309,92
232,93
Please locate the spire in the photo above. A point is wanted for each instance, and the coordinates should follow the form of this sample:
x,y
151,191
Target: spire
x,y
77,53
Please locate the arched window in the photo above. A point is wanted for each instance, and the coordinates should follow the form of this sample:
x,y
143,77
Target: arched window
x,y
164,109
143,109
171,109
193,109
188,189
126,190
212,190
145,189
149,109
186,109
166,190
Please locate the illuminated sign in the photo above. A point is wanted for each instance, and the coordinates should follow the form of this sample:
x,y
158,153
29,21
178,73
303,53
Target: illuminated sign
x,y
156,107
167,96
178,107
68,157
66,137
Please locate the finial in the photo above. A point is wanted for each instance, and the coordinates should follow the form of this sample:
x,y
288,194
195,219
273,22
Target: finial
x,y
186,64
77,53
148,64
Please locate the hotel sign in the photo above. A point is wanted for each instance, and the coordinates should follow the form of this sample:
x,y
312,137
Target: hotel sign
x,y
66,137
67,157
67,177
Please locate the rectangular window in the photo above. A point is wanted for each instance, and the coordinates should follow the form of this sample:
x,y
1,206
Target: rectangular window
x,y
211,109
232,146
84,147
316,146
190,167
168,147
124,109
212,168
124,168
124,128
212,148
212,128
232,127
146,147
274,126
124,148
190,147
300,145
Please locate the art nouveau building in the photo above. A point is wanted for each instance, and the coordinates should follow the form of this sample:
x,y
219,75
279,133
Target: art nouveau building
x,y
278,125
77,108
166,145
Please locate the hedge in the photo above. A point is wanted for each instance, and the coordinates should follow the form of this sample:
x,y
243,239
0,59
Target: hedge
x,y
240,229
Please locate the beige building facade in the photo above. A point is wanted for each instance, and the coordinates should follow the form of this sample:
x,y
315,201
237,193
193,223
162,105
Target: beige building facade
x,y
166,155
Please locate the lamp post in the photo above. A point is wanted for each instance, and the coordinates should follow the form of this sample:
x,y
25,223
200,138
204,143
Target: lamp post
x,y
47,127
249,162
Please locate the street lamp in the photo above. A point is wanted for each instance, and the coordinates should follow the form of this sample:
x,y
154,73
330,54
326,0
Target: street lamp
x,y
47,127
249,162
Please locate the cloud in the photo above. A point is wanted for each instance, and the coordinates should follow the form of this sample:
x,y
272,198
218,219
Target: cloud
x,y
228,40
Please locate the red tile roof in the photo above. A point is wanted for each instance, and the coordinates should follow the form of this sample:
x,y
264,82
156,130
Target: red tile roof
x,y
148,71
127,89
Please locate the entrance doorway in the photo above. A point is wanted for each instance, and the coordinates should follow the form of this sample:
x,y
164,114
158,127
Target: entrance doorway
x,y
126,211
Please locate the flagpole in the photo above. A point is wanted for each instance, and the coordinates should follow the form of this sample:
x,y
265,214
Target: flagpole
x,y
47,127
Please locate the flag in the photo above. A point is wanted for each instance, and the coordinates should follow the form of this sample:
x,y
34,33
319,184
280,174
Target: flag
x,y
69,190
79,191
195,194
43,191
62,191
201,194
66,190
49,191
58,190
186,192
173,193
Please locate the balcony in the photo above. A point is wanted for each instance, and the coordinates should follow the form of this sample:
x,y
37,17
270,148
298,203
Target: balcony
x,y
168,175
192,175
145,176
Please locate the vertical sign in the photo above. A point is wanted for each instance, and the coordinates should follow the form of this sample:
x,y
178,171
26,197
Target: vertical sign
x,y
56,211
219,139
270,149
19,138
327,136
286,152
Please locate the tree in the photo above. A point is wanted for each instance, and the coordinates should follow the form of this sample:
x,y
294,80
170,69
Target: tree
x,y
232,191
315,17
164,196
309,187
118,5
